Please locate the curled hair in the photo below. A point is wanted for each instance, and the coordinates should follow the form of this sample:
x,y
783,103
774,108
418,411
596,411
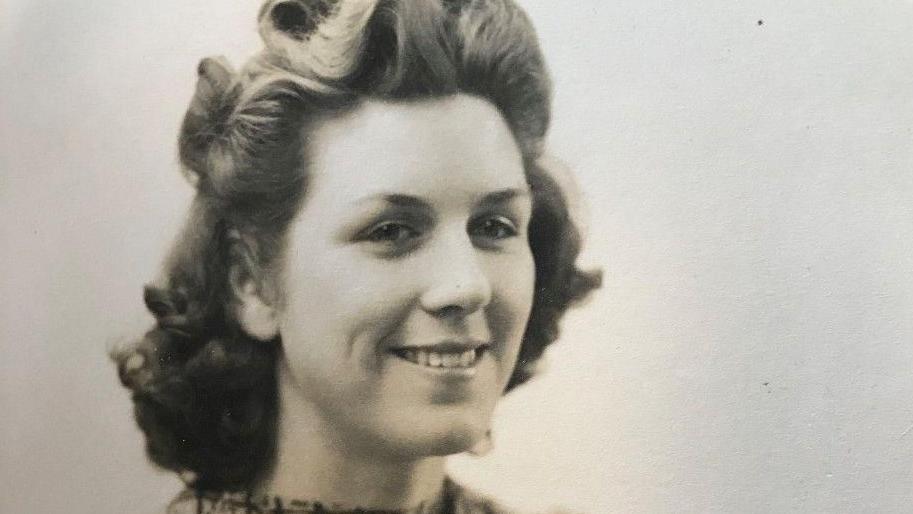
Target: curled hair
x,y
204,392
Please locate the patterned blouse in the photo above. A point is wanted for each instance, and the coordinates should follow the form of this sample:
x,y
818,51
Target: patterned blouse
x,y
455,499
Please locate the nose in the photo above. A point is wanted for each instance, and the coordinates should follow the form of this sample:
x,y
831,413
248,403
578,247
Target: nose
x,y
458,284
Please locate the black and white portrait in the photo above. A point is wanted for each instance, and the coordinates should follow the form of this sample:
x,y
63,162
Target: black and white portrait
x,y
456,256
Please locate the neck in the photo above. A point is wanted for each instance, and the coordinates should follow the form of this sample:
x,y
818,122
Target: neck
x,y
314,464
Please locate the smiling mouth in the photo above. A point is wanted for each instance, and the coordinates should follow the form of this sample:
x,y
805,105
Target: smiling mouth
x,y
449,359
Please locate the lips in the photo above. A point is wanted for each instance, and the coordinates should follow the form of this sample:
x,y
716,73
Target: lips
x,y
443,355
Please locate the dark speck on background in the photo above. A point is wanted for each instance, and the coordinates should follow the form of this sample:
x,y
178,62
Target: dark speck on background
x,y
760,22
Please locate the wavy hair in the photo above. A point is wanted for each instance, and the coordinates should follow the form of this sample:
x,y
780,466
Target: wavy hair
x,y
205,392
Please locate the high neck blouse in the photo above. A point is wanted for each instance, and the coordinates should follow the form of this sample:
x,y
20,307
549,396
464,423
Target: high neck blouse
x,y
455,499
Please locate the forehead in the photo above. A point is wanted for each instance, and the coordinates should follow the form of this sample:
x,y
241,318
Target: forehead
x,y
460,143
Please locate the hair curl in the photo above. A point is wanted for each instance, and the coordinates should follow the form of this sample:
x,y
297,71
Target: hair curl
x,y
204,392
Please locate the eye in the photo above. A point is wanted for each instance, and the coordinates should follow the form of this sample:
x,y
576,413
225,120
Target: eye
x,y
494,228
391,232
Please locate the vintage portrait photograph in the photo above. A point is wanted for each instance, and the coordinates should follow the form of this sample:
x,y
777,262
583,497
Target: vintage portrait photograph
x,y
456,257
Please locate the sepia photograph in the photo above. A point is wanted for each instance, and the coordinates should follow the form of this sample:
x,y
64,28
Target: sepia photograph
x,y
456,257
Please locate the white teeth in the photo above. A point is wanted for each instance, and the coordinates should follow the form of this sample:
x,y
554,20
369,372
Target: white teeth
x,y
467,357
449,360
441,360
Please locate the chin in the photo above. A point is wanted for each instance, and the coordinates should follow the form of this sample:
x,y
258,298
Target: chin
x,y
421,442
452,444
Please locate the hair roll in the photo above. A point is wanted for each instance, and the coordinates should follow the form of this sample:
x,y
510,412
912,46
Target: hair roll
x,y
321,38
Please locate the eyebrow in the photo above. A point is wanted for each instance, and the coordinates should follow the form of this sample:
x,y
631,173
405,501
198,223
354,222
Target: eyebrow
x,y
503,196
399,200
409,201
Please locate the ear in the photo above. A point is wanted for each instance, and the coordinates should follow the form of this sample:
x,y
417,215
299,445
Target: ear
x,y
254,308
257,317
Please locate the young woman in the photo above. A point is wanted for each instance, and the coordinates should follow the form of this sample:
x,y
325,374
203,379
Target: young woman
x,y
374,255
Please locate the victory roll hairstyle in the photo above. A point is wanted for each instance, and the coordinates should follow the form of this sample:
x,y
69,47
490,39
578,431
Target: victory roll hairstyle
x,y
204,391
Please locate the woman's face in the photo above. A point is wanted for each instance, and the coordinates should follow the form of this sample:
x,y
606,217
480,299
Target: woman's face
x,y
407,280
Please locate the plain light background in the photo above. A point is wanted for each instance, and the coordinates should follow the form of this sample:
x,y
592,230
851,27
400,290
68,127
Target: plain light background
x,y
749,172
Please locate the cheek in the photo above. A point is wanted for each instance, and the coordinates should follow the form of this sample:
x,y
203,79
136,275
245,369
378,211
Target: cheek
x,y
513,301
344,311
